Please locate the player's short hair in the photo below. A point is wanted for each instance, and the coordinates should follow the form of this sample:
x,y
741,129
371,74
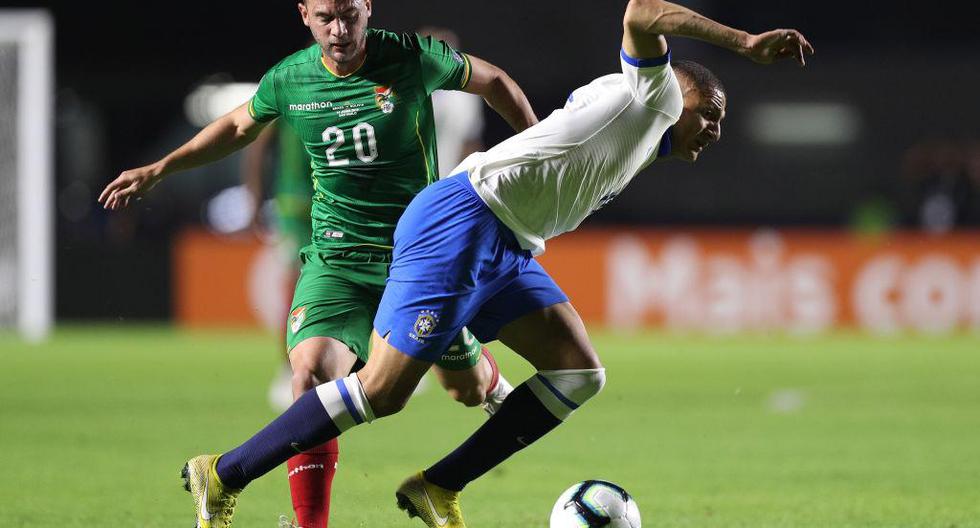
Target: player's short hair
x,y
352,1
703,79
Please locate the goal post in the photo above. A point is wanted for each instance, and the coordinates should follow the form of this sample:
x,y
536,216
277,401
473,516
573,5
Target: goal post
x,y
26,172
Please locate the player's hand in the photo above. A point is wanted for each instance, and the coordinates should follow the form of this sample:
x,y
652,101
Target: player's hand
x,y
778,44
128,186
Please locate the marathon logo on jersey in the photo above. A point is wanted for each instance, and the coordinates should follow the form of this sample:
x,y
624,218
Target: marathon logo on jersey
x,y
384,97
458,57
310,107
424,325
296,319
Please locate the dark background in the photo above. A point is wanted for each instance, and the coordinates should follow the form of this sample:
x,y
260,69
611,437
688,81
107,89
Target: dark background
x,y
908,70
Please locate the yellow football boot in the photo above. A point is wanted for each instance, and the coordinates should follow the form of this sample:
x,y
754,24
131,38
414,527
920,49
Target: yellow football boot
x,y
214,502
437,507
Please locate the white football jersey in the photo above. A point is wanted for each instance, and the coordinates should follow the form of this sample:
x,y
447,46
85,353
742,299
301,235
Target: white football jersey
x,y
459,120
546,180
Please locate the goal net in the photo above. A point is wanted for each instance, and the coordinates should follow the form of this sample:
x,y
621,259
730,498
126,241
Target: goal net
x,y
26,176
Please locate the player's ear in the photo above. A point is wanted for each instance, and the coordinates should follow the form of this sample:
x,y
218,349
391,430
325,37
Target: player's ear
x,y
304,13
367,7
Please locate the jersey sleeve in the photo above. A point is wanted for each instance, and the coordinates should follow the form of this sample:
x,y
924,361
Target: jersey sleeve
x,y
653,83
443,68
264,106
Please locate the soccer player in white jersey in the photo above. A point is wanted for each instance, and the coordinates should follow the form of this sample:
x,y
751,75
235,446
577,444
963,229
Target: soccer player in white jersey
x,y
464,256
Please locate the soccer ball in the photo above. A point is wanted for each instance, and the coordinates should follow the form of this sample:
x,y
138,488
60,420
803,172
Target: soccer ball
x,y
595,503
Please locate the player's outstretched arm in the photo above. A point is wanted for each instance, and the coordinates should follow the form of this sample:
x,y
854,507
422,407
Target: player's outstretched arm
x,y
647,22
502,94
217,140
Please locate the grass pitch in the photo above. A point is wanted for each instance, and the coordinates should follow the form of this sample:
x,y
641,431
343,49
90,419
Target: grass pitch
x,y
840,431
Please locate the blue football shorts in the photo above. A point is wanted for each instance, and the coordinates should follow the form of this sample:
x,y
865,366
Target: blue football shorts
x,y
454,265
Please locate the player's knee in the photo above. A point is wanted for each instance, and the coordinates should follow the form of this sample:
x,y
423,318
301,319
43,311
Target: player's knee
x,y
326,359
304,359
304,364
564,391
579,385
302,381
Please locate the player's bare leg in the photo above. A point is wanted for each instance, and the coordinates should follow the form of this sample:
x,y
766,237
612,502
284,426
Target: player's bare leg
x,y
314,361
390,376
554,340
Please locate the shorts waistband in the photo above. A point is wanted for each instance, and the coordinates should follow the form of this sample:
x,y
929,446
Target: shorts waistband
x,y
463,180
347,254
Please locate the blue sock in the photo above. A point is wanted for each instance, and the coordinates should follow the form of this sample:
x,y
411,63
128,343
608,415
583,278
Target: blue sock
x,y
306,424
521,420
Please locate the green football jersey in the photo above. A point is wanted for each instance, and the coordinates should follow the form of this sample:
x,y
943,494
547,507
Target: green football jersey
x,y
370,134
293,189
294,176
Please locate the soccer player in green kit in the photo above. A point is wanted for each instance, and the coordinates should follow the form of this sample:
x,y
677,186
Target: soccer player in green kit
x,y
360,101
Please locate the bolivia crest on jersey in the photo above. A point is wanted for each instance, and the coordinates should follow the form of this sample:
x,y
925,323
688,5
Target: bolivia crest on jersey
x,y
384,97
296,318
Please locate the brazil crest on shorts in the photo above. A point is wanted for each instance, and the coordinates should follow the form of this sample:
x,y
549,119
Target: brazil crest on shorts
x,y
370,134
424,325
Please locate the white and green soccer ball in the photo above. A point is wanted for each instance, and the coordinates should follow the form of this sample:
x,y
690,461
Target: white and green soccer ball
x,y
595,503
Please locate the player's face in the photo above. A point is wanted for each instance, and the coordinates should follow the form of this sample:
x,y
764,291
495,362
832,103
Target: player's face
x,y
339,26
699,125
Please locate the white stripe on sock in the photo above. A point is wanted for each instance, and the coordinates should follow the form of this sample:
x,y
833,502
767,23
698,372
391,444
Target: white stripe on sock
x,y
356,391
548,399
335,406
574,388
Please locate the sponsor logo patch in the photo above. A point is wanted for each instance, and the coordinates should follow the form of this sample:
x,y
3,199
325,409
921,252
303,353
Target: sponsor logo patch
x,y
299,469
311,107
457,352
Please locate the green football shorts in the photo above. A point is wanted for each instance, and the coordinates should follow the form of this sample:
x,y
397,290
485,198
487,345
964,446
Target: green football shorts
x,y
337,296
